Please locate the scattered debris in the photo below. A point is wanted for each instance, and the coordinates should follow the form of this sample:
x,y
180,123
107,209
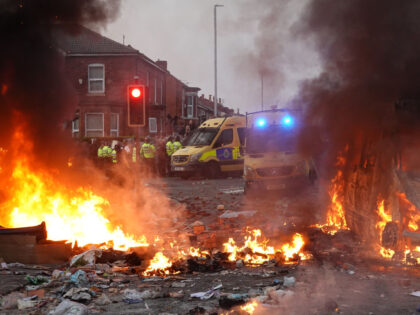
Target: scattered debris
x,y
208,294
69,307
10,301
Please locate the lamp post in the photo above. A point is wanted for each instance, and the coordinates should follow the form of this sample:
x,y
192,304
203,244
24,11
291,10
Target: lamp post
x,y
215,58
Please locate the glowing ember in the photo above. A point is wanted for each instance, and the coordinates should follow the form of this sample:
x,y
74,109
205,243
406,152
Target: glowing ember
x,y
336,219
412,256
249,307
69,215
386,252
255,251
159,265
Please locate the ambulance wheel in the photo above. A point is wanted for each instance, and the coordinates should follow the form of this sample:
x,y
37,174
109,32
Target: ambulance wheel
x,y
212,170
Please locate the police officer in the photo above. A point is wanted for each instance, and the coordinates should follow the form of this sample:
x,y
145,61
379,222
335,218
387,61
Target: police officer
x,y
177,144
169,152
147,153
134,153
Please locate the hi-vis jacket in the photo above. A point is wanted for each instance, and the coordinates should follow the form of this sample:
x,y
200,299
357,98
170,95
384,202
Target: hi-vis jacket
x,y
169,148
177,145
147,151
134,154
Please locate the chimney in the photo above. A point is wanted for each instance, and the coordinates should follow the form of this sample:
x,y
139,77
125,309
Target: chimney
x,y
162,64
209,97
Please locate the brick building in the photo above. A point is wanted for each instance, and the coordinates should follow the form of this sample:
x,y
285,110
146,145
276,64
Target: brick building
x,y
205,108
100,70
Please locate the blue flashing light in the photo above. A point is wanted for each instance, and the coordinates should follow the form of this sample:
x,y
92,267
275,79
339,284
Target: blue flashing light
x,y
261,122
287,121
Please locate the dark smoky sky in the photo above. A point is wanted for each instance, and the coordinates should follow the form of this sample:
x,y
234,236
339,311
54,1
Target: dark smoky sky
x,y
32,77
369,51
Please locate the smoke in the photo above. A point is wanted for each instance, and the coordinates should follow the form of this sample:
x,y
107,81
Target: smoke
x,y
32,76
260,44
370,60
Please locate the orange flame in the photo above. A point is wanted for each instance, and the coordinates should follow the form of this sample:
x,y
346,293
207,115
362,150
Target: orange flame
x,y
159,265
250,307
256,251
413,214
291,250
384,218
69,215
336,219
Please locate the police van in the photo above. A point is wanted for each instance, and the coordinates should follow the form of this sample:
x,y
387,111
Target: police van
x,y
213,149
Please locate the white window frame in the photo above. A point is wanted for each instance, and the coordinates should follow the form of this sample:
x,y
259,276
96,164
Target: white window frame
x,y
118,125
103,79
73,129
190,105
86,125
150,129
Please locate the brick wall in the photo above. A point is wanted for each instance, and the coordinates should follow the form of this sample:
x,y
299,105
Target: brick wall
x,y
120,71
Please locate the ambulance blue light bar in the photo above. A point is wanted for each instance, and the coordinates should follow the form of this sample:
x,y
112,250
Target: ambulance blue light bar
x,y
287,121
261,122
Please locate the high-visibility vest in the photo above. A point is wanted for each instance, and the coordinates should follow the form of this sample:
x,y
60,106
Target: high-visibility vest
x,y
114,156
169,148
109,152
147,151
100,152
134,155
177,146
105,151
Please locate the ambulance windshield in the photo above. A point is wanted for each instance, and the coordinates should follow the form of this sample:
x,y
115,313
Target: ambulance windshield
x,y
271,139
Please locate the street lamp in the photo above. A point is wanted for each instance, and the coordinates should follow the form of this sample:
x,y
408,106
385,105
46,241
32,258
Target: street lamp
x,y
215,59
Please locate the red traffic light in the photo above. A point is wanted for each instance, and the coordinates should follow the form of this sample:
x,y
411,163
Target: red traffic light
x,y
136,92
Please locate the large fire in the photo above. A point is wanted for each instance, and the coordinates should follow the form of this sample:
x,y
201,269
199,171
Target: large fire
x,y
36,196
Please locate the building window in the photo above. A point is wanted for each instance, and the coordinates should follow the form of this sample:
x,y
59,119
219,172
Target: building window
x,y
75,127
152,125
94,125
96,78
190,106
115,124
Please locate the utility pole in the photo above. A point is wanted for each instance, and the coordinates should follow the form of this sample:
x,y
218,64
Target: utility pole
x,y
262,91
215,58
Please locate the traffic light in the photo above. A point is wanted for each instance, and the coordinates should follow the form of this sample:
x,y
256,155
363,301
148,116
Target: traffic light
x,y
136,101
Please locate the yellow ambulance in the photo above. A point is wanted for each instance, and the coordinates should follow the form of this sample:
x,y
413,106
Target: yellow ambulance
x,y
271,158
213,149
